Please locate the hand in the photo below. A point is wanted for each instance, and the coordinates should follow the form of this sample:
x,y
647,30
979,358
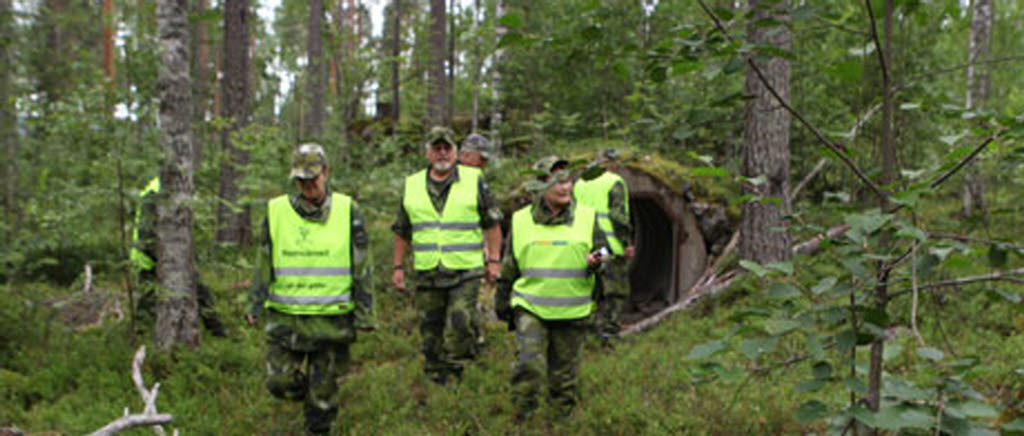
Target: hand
x,y
493,269
593,259
630,252
398,279
250,319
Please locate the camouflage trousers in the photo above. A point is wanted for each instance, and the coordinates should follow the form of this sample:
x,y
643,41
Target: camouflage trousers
x,y
310,377
613,291
552,345
448,328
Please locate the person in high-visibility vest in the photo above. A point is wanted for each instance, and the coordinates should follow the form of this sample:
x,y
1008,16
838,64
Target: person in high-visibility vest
x,y
545,290
609,195
477,151
445,214
142,255
311,286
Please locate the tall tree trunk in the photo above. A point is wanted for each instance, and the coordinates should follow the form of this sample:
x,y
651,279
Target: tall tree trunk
x,y
437,92
315,82
477,65
396,52
233,218
978,49
177,311
499,58
887,156
8,120
200,78
54,73
108,40
766,144
451,63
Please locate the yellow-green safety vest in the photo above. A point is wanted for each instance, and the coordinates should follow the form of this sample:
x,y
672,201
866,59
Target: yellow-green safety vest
x,y
312,260
136,255
554,282
452,238
594,193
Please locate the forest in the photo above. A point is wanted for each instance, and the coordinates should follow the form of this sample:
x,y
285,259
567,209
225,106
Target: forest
x,y
826,199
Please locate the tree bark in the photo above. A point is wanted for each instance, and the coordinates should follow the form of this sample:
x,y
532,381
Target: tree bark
x,y
200,78
396,52
315,82
499,56
177,312
766,145
108,40
233,218
978,49
8,119
437,109
449,115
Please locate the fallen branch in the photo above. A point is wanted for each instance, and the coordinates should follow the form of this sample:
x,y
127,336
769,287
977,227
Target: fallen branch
x,y
812,245
693,294
962,238
149,415
1006,276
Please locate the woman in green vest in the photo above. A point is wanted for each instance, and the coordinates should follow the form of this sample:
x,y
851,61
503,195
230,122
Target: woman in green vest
x,y
545,289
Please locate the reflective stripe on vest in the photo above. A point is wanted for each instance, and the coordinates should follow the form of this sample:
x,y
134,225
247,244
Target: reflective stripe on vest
x,y
136,255
594,193
554,282
312,261
452,238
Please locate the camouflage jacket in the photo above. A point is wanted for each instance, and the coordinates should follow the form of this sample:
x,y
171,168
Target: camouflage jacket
x,y
315,329
618,214
510,267
490,215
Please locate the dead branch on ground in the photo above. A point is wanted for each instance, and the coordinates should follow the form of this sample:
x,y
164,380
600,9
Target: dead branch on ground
x,y
149,415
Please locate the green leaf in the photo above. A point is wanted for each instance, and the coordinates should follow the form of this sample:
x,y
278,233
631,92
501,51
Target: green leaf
x,y
891,351
941,252
931,353
814,347
707,349
709,172
780,326
756,181
951,139
810,411
511,20
1015,425
755,347
511,39
845,340
869,222
786,267
904,391
783,291
910,106
754,267
856,385
826,284
682,133
809,386
997,256
977,409
822,370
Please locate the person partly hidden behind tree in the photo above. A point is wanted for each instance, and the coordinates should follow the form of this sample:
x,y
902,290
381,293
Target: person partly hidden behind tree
x,y
445,212
311,285
143,258
477,151
609,196
545,290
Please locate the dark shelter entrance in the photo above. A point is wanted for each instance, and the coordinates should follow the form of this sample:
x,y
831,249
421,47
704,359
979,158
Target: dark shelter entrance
x,y
670,250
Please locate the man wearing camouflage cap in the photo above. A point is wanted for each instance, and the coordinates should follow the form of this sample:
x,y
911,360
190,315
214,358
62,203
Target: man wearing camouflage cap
x,y
609,196
312,285
477,151
545,289
445,212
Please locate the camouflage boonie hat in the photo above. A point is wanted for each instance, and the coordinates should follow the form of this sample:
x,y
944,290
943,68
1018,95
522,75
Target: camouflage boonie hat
x,y
479,143
308,161
439,133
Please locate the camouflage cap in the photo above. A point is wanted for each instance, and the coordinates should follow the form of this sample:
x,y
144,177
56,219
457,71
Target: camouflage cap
x,y
440,133
479,143
308,161
549,171
549,164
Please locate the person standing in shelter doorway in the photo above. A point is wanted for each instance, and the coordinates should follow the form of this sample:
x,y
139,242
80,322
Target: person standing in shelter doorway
x,y
609,196
143,259
445,213
311,285
545,290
